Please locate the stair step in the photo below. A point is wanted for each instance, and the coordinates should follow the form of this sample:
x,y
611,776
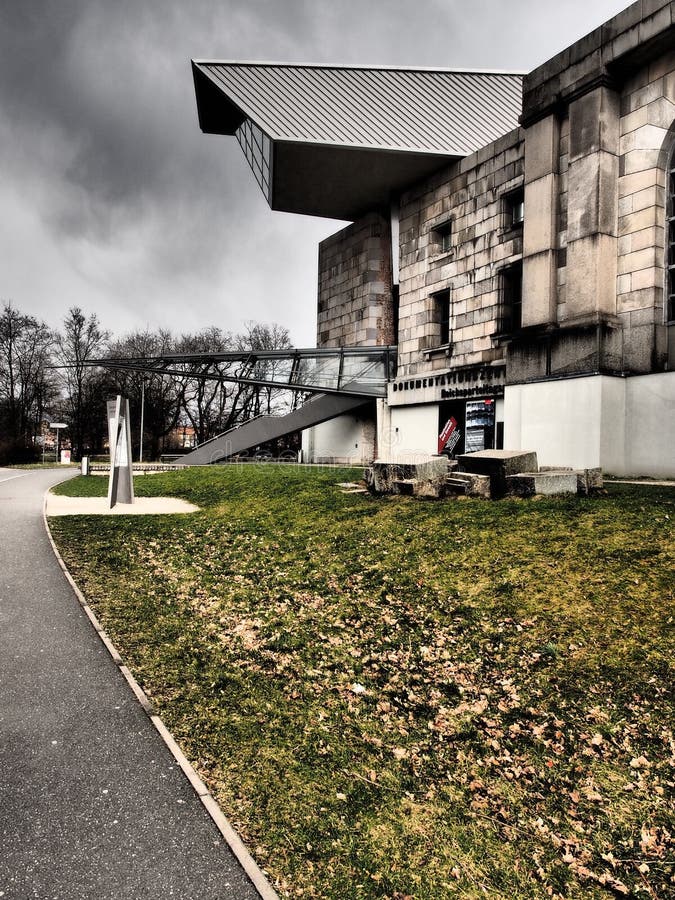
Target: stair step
x,y
457,484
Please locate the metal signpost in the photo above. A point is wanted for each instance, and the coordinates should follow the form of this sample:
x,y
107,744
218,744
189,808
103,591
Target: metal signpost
x,y
121,483
56,426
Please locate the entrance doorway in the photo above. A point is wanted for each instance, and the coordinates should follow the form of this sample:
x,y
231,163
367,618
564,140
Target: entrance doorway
x,y
475,425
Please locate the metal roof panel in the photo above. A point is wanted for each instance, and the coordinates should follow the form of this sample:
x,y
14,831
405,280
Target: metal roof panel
x,y
346,139
419,110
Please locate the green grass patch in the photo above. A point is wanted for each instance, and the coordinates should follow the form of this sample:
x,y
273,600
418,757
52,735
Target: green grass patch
x,y
405,699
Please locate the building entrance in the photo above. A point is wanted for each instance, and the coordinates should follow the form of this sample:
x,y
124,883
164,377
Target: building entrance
x,y
473,427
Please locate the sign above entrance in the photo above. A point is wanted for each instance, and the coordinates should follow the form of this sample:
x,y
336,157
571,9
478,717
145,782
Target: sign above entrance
x,y
468,382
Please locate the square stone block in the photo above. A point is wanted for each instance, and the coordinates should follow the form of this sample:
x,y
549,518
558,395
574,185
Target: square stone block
x,y
498,464
407,475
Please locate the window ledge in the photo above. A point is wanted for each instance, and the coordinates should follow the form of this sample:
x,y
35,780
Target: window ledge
x,y
510,232
503,337
443,350
437,256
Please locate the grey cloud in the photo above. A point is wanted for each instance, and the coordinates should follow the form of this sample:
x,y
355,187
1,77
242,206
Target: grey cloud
x,y
157,223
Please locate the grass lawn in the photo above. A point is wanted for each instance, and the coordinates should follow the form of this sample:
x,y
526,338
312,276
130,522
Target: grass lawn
x,y
407,699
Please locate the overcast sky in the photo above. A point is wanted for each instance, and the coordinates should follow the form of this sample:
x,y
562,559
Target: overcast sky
x,y
113,200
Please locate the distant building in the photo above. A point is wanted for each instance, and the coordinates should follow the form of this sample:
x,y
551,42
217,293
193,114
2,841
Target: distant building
x,y
182,437
513,235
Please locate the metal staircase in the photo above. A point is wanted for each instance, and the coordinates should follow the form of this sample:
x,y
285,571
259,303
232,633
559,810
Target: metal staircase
x,y
342,379
266,428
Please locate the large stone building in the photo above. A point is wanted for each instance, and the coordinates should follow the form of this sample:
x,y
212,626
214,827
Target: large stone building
x,y
513,235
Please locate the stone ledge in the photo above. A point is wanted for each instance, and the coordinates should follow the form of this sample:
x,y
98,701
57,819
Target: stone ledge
x,y
527,484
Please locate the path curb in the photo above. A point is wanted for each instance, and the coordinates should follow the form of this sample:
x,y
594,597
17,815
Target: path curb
x,y
230,836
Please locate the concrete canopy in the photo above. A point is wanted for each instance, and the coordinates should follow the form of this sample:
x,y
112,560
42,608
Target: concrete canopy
x,y
338,141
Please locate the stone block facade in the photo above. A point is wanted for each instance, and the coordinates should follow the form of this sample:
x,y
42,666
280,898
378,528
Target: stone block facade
x,y
611,95
588,257
591,161
355,286
539,258
456,235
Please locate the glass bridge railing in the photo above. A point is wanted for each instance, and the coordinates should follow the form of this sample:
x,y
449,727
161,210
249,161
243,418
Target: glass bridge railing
x,y
361,371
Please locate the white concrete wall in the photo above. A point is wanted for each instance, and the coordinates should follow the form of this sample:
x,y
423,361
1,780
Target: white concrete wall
x,y
559,420
345,439
414,432
650,425
624,425
499,411
612,449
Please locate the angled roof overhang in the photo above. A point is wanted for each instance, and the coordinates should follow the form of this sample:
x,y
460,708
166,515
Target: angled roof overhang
x,y
338,141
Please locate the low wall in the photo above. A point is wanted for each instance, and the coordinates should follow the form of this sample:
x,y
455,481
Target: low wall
x,y
626,426
348,440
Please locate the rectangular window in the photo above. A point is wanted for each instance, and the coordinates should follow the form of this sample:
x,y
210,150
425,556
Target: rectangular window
x,y
515,208
442,237
442,315
511,291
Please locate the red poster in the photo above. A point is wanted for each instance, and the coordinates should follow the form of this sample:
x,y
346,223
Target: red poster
x,y
446,434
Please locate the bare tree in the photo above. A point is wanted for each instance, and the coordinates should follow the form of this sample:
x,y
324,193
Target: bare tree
x,y
25,388
257,336
83,387
160,394
207,401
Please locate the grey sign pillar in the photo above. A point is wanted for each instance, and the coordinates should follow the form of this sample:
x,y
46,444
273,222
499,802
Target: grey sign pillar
x,y
121,483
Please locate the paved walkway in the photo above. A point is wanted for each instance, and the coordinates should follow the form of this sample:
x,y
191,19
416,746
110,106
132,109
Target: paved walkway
x,y
644,481
58,505
92,804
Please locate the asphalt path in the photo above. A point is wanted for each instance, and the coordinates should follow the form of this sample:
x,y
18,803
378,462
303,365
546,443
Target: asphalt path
x,y
92,803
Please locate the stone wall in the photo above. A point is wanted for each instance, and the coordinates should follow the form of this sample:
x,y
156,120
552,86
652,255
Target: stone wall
x,y
647,115
609,103
591,157
456,235
355,290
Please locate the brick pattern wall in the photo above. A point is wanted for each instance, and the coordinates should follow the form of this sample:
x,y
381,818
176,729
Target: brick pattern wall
x,y
355,286
471,196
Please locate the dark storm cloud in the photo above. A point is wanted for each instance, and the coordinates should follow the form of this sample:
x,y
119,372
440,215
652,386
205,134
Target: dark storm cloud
x,y
106,171
109,94
98,102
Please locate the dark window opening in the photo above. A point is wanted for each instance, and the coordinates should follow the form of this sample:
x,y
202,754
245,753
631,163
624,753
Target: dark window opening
x,y
442,315
511,290
442,237
515,208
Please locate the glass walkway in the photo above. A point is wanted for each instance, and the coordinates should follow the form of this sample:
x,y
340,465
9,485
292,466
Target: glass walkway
x,y
357,371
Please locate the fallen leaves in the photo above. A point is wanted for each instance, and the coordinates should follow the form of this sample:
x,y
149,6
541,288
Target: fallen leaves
x,y
393,663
